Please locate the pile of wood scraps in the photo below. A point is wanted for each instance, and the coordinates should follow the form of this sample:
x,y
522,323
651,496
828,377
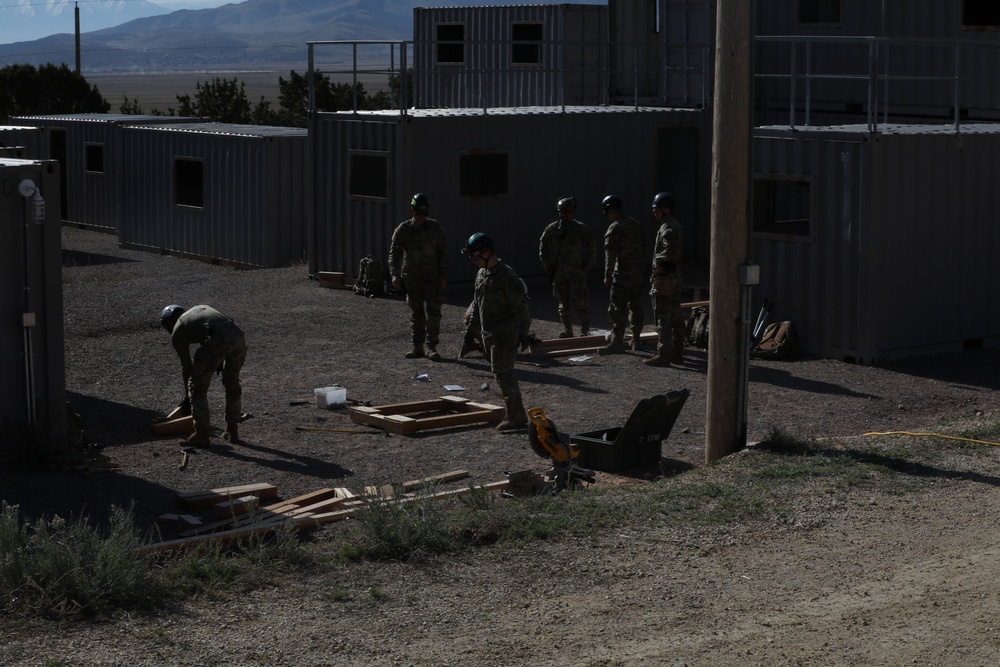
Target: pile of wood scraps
x,y
247,518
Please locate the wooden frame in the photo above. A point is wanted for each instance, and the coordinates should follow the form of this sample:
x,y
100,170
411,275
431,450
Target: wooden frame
x,y
397,418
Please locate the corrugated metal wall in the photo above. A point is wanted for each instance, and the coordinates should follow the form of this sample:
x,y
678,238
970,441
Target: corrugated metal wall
x,y
31,287
673,42
573,67
253,210
585,152
904,235
89,198
816,281
20,142
977,61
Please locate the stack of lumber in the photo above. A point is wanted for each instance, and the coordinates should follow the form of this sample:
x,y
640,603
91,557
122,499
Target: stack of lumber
x,y
567,347
307,511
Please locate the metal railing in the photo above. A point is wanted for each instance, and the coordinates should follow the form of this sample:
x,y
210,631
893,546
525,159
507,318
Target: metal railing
x,y
880,63
681,73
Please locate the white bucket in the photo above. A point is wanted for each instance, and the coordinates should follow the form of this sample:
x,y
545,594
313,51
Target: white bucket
x,y
330,397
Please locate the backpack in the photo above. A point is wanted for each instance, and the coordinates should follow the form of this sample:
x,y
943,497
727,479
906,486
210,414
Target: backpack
x,y
371,278
777,342
697,328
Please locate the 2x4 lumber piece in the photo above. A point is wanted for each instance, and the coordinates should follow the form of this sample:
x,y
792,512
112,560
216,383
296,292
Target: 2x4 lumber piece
x,y
387,490
176,426
206,498
396,417
595,340
235,507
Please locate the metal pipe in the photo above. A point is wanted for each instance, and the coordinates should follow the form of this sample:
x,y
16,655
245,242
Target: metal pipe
x,y
27,321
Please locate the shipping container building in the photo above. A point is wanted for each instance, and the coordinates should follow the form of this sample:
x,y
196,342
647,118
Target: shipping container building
x,y
216,191
20,142
32,359
518,55
879,246
88,149
823,62
499,172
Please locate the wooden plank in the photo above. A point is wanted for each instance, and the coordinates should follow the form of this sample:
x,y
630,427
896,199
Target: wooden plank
x,y
403,418
694,304
235,507
597,340
177,426
206,498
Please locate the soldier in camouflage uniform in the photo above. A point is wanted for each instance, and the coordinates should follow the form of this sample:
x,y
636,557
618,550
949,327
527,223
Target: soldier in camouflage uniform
x,y
418,261
567,252
666,283
500,311
624,273
222,348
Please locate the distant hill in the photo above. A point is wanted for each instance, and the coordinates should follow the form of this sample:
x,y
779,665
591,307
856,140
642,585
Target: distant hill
x,y
22,20
254,31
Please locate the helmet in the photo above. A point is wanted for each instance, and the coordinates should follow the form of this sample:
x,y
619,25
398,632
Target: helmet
x,y
611,201
168,318
477,243
566,204
420,203
664,200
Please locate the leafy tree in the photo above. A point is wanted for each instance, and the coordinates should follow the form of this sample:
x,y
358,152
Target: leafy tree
x,y
130,107
293,96
49,89
221,100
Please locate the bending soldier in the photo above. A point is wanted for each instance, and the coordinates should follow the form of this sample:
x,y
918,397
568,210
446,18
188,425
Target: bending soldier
x,y
222,348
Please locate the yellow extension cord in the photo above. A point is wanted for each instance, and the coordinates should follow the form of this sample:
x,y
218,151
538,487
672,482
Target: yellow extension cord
x,y
933,435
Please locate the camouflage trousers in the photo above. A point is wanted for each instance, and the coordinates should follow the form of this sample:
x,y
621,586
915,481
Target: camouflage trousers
x,y
570,289
501,350
425,300
226,349
625,308
666,295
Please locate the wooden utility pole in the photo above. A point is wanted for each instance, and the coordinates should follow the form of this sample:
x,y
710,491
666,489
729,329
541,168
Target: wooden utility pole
x,y
729,229
76,17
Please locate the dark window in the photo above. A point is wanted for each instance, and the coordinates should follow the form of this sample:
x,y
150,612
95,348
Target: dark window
x,y
526,44
369,176
482,175
781,207
189,182
820,11
93,158
451,43
980,13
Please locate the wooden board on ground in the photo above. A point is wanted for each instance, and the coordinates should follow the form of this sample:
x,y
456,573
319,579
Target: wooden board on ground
x,y
334,280
206,498
387,490
545,347
176,426
404,418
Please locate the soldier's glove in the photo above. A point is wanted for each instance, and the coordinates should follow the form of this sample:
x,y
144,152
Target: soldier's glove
x,y
468,345
524,341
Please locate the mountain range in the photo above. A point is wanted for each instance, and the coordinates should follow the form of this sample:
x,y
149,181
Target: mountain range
x,y
253,31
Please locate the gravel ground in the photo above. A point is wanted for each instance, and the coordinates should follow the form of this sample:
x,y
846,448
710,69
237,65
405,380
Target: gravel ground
x,y
884,581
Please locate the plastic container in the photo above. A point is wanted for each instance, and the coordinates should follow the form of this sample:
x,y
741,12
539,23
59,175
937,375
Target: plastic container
x,y
328,398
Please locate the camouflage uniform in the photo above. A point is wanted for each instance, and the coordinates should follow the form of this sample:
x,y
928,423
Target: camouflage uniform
x,y
221,343
666,287
418,256
500,311
624,268
567,251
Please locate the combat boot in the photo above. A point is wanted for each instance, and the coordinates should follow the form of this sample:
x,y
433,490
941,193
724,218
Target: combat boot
x,y
584,328
636,342
197,439
515,416
662,358
676,356
568,333
416,352
232,432
617,344
432,353
469,345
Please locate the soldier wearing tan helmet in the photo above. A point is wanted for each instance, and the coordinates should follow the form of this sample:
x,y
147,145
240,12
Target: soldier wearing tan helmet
x,y
666,283
567,251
